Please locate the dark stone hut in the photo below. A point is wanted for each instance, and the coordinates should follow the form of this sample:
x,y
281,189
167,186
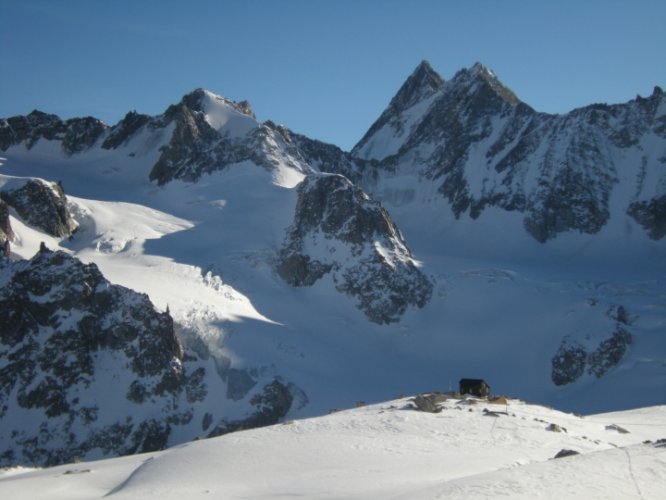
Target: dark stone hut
x,y
474,387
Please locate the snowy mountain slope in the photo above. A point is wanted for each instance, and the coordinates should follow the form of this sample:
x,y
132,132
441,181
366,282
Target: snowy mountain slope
x,y
175,256
205,239
388,450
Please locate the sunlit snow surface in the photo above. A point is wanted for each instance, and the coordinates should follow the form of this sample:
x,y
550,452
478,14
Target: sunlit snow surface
x,y
387,450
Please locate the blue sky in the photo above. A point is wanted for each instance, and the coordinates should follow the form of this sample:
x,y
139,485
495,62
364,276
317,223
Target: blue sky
x,y
323,68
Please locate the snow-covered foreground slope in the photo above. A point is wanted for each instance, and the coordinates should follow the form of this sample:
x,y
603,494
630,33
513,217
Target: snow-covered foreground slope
x,y
389,450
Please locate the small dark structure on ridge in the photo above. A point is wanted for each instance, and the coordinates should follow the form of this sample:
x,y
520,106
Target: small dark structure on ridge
x,y
474,387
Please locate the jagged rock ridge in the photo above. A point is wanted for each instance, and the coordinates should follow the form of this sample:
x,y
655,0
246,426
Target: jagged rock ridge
x,y
483,148
75,134
207,133
337,229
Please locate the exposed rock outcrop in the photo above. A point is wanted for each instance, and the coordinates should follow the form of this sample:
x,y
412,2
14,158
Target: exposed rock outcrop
x,y
42,205
651,215
568,363
6,233
429,403
572,359
339,230
609,352
66,336
272,404
125,129
75,134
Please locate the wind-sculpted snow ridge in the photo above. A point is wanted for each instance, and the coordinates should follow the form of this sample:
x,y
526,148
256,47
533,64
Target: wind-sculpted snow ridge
x,y
482,147
90,369
338,230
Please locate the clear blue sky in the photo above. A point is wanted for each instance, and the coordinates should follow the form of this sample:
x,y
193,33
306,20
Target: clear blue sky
x,y
323,68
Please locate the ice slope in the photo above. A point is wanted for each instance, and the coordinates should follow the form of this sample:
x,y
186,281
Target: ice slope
x,y
389,450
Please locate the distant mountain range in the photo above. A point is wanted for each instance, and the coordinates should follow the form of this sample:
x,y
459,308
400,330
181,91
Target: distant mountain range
x,y
466,234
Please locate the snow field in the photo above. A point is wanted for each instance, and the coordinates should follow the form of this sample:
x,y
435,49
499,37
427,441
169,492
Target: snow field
x,y
387,450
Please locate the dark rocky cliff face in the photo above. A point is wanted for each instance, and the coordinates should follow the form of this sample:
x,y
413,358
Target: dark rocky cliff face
x,y
66,332
76,134
43,206
89,369
6,233
651,215
337,229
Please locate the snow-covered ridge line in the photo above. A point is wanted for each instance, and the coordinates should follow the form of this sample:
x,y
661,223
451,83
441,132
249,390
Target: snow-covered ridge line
x,y
388,449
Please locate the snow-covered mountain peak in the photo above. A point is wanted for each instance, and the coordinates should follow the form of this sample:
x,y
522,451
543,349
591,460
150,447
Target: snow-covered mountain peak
x,y
411,99
421,84
222,114
426,103
211,132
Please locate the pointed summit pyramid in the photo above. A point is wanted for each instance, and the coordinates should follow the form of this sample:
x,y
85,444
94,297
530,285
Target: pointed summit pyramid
x,y
421,85
479,74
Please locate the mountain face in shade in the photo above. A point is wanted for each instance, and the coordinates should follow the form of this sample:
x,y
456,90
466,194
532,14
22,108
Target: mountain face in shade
x,y
481,147
337,229
423,83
